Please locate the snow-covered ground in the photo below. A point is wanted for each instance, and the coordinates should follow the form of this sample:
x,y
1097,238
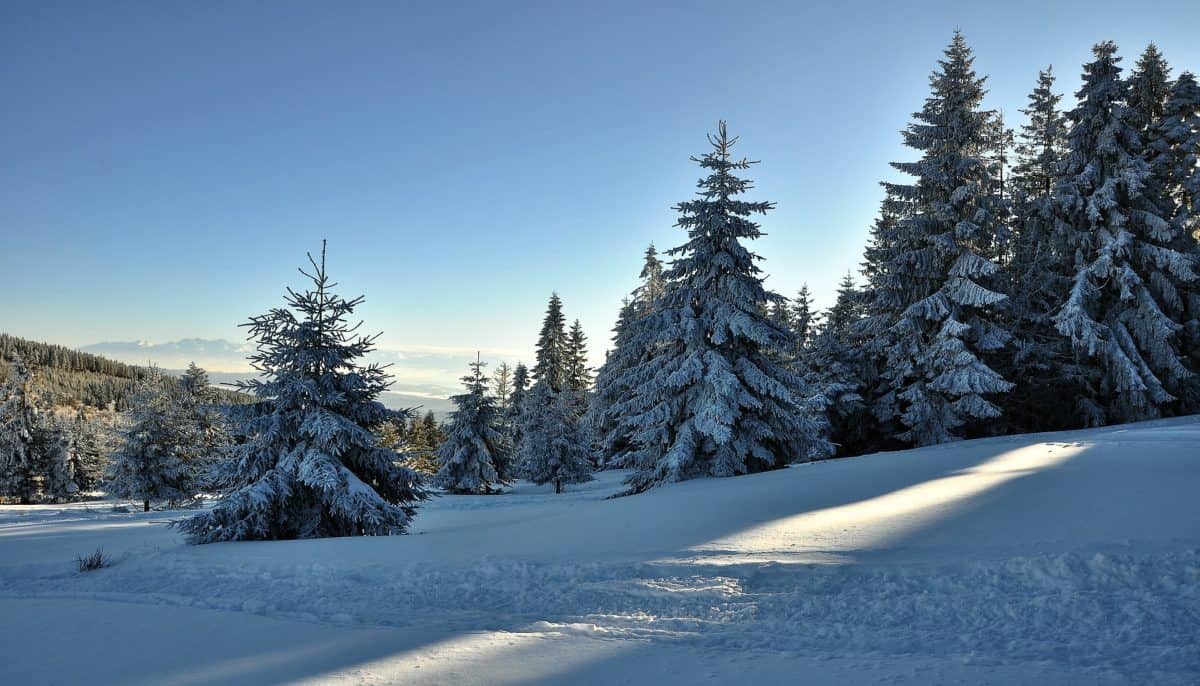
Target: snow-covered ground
x,y
1055,558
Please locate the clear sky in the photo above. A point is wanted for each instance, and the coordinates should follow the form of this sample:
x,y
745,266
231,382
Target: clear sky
x,y
164,166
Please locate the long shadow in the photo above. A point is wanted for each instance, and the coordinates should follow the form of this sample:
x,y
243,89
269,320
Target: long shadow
x,y
667,523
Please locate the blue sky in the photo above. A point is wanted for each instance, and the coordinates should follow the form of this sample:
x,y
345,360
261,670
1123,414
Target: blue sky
x,y
166,165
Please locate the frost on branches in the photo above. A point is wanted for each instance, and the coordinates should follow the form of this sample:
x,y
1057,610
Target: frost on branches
x,y
941,263
1124,305
710,400
474,445
310,465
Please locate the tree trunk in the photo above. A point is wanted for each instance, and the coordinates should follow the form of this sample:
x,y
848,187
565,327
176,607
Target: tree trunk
x,y
558,486
146,504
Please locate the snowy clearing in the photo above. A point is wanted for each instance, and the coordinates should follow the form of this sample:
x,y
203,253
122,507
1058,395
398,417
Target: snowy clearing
x,y
1054,558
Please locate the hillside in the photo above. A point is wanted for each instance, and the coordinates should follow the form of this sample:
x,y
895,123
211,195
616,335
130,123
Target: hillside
x,y
77,378
1069,558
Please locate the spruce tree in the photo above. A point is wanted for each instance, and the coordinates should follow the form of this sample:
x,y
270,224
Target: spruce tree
x,y
198,402
801,319
601,417
474,446
516,404
1174,154
555,445
944,270
710,400
156,459
1123,305
1055,391
831,368
654,282
578,374
87,459
310,465
552,348
33,443
1149,87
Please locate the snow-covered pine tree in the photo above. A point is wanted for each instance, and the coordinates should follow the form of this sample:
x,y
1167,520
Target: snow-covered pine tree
x,y
33,443
552,347
944,268
1123,306
1174,153
474,445
502,380
516,405
555,445
608,391
710,400
578,374
198,404
1149,86
1055,391
831,369
310,465
881,299
654,283
87,459
801,319
156,460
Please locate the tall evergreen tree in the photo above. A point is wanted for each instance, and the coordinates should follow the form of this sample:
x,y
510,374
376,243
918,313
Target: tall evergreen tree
x,y
1149,87
311,465
710,400
156,459
578,374
33,443
1127,274
474,446
1055,391
87,459
654,283
555,447
601,417
502,379
832,370
801,320
552,347
1174,152
944,263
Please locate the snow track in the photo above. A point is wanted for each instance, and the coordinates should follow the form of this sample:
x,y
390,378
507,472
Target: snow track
x,y
1073,556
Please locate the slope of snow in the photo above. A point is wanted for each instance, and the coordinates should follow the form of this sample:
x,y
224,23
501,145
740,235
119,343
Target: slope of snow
x,y
1064,558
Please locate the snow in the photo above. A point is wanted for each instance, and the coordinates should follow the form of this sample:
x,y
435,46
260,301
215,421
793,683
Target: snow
x,y
1071,557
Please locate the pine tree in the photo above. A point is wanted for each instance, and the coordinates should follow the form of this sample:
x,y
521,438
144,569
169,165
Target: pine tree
x,y
474,445
882,299
801,319
156,460
310,466
653,284
601,417
578,374
552,347
198,404
516,405
831,369
1127,274
87,459
710,400
944,263
555,446
1174,154
33,443
1041,141
1055,391
1149,87
503,385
